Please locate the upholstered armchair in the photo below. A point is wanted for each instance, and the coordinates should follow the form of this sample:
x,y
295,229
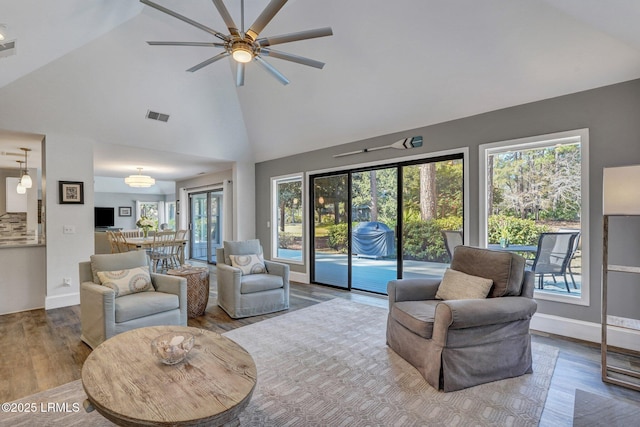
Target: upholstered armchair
x,y
125,300
248,285
458,343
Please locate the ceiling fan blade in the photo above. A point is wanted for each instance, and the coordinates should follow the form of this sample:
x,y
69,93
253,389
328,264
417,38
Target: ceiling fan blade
x,y
240,74
203,44
265,17
226,17
185,19
291,57
271,69
208,61
293,37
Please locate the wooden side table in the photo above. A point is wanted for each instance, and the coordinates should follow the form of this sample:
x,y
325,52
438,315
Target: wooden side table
x,y
197,288
128,385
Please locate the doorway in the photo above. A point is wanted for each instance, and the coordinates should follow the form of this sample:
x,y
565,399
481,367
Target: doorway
x,y
372,225
205,224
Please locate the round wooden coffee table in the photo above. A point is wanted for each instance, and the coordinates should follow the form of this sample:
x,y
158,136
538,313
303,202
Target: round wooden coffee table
x,y
129,386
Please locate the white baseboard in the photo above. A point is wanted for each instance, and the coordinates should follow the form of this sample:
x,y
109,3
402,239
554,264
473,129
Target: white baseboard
x,y
295,276
586,331
59,301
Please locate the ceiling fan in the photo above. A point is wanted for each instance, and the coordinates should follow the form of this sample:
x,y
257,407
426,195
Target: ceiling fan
x,y
245,46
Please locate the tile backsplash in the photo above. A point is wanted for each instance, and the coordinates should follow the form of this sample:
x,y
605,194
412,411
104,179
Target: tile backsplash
x,y
13,224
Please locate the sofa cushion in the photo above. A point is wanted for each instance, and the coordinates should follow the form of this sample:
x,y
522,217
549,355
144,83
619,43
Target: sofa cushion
x,y
506,269
128,281
416,316
459,285
144,304
249,264
244,247
260,282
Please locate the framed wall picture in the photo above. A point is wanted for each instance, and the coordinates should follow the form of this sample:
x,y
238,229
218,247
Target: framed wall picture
x,y
71,192
124,211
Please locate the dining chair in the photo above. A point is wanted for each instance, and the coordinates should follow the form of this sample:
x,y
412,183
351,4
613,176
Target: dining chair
x,y
178,247
553,256
117,242
161,252
113,242
131,233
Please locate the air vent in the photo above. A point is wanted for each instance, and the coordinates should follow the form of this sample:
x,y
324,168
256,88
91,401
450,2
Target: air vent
x,y
7,48
153,115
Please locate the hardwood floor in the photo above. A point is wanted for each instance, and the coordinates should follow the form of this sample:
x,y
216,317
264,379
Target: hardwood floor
x,y
42,349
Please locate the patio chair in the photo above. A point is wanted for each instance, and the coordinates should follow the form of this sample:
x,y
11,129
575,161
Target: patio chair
x,y
576,244
553,256
452,238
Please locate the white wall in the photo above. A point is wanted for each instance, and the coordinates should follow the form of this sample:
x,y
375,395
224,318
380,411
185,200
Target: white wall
x,y
65,251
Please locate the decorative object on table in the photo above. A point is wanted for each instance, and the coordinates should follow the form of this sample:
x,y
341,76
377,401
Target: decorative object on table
x,y
621,198
124,211
71,192
403,144
197,288
145,224
504,234
139,180
245,46
173,347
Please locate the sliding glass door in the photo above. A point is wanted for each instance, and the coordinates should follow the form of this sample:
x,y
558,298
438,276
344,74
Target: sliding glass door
x,y
206,225
373,225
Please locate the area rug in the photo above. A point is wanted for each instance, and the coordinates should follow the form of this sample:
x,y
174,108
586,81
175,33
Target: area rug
x,y
328,365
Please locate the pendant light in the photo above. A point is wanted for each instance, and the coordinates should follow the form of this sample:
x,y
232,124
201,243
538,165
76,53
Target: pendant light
x,y
139,181
26,179
20,189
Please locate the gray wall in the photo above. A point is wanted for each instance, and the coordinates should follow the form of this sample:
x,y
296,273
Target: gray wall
x,y
116,200
612,115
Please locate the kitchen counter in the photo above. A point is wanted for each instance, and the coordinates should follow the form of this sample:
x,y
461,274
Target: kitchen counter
x,y
20,241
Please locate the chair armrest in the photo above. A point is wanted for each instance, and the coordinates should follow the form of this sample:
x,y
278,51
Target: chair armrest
x,y
173,285
482,312
278,269
97,312
412,290
228,275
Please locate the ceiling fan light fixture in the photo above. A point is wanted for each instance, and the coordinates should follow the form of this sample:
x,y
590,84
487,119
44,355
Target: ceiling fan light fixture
x,y
242,52
139,180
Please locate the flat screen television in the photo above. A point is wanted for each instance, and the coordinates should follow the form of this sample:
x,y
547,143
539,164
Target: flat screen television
x,y
104,217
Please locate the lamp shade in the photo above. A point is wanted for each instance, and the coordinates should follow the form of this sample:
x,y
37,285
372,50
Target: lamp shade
x,y
26,180
621,190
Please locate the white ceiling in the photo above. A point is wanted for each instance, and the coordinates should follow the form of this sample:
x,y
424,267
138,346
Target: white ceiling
x,y
83,68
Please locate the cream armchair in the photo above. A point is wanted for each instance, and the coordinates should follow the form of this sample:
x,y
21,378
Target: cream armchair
x,y
459,343
103,315
244,295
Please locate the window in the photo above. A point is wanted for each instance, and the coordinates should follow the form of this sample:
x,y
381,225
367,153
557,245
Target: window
x,y
533,186
287,218
147,210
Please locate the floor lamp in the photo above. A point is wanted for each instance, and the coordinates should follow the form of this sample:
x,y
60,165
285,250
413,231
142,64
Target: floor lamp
x,y
621,197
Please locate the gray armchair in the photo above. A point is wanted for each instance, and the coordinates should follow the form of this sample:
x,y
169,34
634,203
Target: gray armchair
x,y
461,343
103,315
251,294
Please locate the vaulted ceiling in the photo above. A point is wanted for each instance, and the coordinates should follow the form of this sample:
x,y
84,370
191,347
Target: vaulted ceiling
x,y
83,67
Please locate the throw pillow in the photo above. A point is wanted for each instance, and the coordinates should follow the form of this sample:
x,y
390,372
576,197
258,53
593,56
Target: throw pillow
x,y
249,264
125,282
459,285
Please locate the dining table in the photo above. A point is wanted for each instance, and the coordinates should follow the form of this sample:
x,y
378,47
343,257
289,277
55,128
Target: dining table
x,y
145,243
527,250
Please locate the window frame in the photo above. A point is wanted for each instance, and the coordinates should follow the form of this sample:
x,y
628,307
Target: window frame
x,y
577,135
273,225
